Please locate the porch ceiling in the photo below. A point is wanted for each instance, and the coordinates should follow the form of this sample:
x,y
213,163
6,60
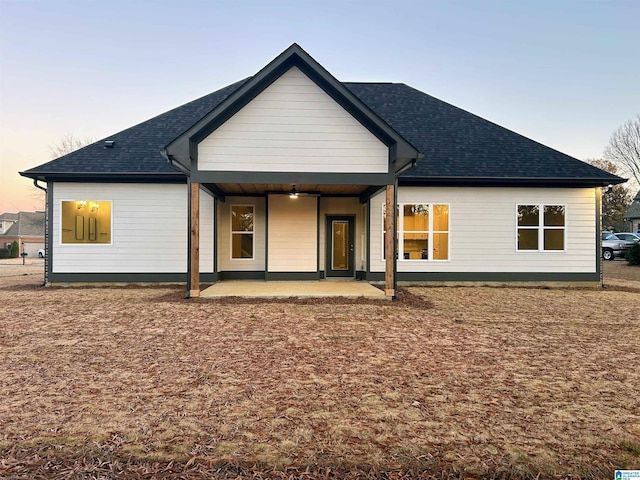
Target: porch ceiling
x,y
262,188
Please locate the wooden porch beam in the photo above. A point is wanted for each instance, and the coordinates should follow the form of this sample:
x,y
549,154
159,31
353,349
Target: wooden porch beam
x,y
194,253
389,250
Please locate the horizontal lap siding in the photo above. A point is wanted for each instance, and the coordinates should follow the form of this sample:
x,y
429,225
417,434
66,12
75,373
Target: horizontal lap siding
x,y
225,262
483,230
293,126
293,234
149,232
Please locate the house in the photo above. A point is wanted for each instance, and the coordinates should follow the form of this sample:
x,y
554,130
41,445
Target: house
x,y
26,228
293,175
6,221
632,215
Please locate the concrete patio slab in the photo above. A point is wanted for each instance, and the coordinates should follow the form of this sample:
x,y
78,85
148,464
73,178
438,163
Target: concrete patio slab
x,y
304,289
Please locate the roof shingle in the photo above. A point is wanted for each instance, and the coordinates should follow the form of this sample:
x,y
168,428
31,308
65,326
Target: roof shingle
x,y
28,224
455,143
633,211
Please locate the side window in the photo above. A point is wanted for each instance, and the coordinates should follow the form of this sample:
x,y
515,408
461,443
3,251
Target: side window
x,y
85,222
423,231
541,228
242,231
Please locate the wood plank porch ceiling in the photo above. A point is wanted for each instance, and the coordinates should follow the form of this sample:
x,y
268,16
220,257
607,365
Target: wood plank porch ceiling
x,y
261,188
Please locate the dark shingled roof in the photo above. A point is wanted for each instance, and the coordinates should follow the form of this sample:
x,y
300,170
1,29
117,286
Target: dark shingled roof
x,y
455,143
136,149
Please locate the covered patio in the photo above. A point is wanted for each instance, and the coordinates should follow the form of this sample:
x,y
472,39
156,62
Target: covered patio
x,y
292,130
284,289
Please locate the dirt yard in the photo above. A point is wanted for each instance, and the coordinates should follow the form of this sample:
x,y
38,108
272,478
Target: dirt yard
x,y
444,383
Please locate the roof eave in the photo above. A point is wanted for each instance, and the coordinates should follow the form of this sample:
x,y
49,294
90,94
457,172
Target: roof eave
x,y
509,181
130,177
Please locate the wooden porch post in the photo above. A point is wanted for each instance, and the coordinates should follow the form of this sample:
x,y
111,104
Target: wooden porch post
x,y
389,253
194,254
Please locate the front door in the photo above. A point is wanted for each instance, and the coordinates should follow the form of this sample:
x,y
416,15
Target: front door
x,y
340,246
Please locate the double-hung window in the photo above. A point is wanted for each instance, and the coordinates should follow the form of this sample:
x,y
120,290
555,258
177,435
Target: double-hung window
x,y
423,231
242,231
541,228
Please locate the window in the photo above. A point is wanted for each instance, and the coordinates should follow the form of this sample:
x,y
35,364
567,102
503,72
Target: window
x,y
85,222
423,231
241,231
541,228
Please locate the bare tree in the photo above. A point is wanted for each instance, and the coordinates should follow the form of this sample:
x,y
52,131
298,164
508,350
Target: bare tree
x,y
624,147
615,201
68,144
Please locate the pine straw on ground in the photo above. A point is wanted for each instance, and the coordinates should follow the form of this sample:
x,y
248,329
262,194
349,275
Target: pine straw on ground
x,y
444,383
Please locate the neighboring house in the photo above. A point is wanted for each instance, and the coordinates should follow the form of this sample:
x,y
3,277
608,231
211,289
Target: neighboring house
x,y
6,220
632,215
287,175
26,228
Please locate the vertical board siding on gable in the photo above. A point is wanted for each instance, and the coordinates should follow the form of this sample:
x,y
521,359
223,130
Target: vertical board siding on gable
x,y
483,230
293,234
149,232
206,232
342,206
293,126
225,262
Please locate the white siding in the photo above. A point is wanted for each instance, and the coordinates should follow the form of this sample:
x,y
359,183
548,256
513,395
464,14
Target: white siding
x,y
149,233
206,232
293,234
483,230
225,262
293,126
343,206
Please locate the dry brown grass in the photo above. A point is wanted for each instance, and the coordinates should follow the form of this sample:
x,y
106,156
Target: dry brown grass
x,y
446,382
619,269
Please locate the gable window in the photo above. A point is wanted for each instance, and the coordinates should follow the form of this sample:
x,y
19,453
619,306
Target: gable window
x,y
242,231
541,228
423,231
85,222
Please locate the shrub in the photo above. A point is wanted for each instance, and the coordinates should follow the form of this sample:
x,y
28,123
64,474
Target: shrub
x,y
633,254
15,250
5,253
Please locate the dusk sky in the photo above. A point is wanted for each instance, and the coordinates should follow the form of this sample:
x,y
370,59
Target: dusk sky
x,y
565,73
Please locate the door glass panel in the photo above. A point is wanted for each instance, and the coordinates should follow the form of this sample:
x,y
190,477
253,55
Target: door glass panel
x,y
340,244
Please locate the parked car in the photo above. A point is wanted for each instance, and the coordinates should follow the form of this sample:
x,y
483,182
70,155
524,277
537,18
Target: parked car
x,y
631,237
613,247
41,253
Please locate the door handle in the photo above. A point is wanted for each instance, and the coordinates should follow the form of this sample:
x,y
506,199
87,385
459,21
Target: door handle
x,y
351,248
